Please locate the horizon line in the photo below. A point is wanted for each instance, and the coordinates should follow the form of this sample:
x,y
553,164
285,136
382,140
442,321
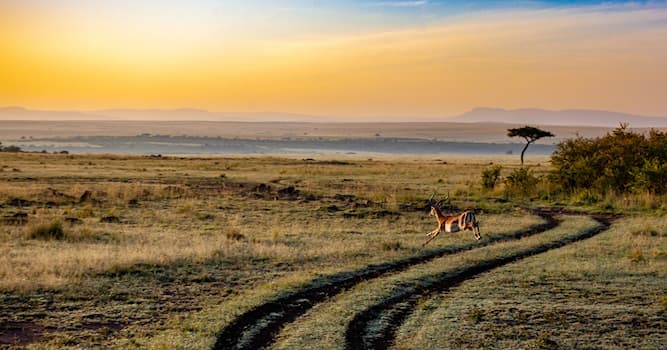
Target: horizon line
x,y
314,115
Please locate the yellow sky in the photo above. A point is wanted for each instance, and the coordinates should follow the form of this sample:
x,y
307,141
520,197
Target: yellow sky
x,y
556,58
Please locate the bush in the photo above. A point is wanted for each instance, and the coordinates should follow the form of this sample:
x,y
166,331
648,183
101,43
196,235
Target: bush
x,y
652,177
619,162
10,149
490,177
46,231
521,182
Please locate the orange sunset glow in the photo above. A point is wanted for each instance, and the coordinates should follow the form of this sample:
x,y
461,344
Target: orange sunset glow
x,y
344,59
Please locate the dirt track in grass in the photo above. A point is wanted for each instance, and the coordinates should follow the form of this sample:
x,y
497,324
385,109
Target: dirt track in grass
x,y
258,327
375,327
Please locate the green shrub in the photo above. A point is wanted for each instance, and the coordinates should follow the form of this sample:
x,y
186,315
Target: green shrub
x,y
652,177
619,162
490,177
521,182
46,231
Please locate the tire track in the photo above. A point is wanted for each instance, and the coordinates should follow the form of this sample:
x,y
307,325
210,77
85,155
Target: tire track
x,y
257,327
375,328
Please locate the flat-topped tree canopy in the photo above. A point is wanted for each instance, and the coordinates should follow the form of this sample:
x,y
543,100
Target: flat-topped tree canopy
x,y
530,134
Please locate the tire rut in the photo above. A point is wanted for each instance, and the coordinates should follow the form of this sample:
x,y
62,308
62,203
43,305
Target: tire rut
x,y
375,328
257,327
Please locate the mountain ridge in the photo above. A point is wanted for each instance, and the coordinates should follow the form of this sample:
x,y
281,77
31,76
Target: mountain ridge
x,y
529,116
565,117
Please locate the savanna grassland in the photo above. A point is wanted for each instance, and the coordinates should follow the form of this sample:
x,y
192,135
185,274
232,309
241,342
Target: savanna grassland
x,y
115,251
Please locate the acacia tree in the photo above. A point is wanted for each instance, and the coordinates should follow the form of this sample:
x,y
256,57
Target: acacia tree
x,y
530,134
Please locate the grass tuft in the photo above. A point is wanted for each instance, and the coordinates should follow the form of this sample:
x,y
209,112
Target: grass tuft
x,y
636,256
233,234
646,232
393,245
544,342
476,315
46,231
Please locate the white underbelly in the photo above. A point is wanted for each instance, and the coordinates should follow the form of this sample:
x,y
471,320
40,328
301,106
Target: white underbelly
x,y
452,226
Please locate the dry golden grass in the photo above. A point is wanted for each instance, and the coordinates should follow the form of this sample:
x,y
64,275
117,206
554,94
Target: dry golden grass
x,y
167,224
165,251
325,322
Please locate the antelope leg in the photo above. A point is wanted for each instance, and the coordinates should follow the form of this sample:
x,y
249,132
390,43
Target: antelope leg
x,y
430,239
433,232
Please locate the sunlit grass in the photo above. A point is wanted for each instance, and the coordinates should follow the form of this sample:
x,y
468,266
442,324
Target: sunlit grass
x,y
324,326
163,252
590,291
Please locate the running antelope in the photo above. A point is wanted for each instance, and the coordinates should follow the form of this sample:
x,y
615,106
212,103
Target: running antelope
x,y
456,223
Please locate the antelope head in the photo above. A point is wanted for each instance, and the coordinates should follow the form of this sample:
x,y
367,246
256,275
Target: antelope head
x,y
436,205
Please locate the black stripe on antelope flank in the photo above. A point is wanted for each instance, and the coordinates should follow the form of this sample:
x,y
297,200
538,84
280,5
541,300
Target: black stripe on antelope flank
x,y
394,310
257,327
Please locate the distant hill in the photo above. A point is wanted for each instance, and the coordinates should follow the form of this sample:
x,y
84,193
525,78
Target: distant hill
x,y
533,116
572,117
20,113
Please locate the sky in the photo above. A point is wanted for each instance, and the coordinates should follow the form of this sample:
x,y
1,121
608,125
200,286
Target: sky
x,y
397,59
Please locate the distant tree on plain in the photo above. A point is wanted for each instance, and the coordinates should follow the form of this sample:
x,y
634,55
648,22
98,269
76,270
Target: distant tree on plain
x,y
530,134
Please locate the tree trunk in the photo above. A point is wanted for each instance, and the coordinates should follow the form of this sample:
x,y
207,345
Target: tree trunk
x,y
524,151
